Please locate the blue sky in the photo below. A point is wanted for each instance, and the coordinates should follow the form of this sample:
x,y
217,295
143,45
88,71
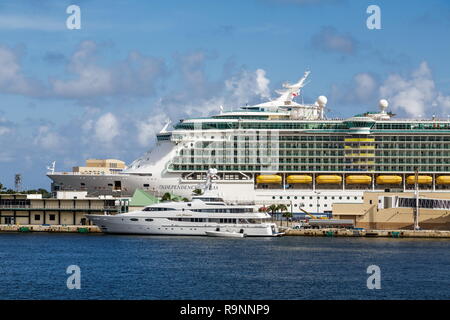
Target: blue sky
x,y
106,89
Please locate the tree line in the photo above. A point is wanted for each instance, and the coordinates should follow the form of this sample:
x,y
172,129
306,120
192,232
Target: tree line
x,y
45,193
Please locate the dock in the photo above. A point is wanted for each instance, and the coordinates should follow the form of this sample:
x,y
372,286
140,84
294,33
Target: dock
x,y
49,228
332,232
324,232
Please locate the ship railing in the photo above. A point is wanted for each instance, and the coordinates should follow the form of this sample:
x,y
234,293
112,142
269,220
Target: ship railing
x,y
68,173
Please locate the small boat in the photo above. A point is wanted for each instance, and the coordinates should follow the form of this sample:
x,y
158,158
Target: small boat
x,y
279,234
226,234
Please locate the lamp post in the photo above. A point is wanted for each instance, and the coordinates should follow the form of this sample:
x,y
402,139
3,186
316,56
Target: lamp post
x,y
416,195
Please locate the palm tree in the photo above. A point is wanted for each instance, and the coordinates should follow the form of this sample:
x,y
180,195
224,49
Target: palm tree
x,y
287,215
282,208
197,192
272,209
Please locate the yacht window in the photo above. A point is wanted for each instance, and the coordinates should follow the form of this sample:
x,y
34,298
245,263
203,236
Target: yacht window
x,y
134,219
149,220
146,185
158,209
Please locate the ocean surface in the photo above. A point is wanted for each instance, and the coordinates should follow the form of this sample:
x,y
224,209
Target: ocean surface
x,y
33,266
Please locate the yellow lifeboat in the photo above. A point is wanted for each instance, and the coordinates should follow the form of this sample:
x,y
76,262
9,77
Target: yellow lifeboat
x,y
358,179
420,180
305,179
329,179
443,180
389,180
269,179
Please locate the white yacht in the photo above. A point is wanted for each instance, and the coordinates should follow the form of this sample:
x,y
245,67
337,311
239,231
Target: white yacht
x,y
205,213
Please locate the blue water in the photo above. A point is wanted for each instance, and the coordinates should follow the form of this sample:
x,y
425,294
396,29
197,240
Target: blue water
x,y
33,266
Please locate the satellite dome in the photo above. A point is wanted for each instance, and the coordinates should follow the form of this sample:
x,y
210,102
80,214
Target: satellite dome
x,y
384,104
322,100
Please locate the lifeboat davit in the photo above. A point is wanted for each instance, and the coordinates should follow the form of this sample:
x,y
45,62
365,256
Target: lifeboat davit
x,y
329,179
420,180
358,179
443,180
305,179
269,179
389,180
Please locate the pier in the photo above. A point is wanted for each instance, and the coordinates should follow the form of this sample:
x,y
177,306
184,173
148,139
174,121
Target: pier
x,y
325,232
332,232
48,228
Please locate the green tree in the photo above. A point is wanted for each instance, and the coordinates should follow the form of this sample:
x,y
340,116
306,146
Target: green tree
x,y
166,197
273,208
287,215
197,192
281,208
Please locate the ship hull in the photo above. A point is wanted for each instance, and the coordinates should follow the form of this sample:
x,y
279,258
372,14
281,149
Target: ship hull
x,y
161,226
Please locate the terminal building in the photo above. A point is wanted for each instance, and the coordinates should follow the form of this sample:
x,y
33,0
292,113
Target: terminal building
x,y
395,210
68,208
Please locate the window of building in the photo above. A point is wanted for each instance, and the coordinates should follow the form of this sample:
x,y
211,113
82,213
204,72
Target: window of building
x,y
37,217
52,217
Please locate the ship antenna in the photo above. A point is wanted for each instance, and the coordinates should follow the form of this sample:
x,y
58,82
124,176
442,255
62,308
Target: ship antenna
x,y
51,168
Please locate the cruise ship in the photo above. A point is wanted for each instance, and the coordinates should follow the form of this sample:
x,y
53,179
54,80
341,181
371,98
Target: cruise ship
x,y
283,151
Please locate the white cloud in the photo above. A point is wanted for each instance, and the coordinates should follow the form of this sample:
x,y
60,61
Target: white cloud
x,y
415,95
147,128
247,85
107,128
361,90
136,75
48,139
12,79
365,86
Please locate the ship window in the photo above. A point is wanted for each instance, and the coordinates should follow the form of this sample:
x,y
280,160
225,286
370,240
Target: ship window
x,y
146,185
158,209
134,219
149,220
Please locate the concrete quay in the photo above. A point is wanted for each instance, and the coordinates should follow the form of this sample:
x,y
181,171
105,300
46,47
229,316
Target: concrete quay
x,y
49,228
442,234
